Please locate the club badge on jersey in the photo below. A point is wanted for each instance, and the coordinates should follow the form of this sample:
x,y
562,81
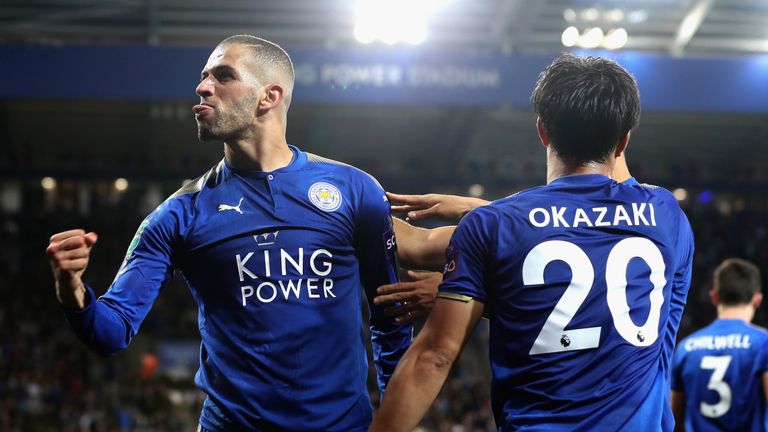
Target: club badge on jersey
x,y
325,196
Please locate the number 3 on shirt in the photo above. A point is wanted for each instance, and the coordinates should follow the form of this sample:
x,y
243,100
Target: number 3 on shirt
x,y
718,365
553,336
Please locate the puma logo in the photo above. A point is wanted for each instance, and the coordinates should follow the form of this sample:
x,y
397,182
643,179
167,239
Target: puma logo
x,y
236,208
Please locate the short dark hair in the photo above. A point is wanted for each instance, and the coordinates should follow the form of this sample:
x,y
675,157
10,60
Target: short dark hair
x,y
274,59
586,105
736,281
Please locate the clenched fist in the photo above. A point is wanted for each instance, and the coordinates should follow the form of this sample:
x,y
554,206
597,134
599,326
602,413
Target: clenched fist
x,y
69,252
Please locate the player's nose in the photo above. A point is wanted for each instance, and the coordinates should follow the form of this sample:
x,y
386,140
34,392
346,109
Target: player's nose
x,y
205,88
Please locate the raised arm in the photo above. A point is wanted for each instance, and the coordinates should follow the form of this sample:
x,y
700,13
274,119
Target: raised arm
x,y
453,207
108,324
421,248
446,207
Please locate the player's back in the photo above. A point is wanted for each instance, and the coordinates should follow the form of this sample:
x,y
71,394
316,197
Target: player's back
x,y
586,281
720,370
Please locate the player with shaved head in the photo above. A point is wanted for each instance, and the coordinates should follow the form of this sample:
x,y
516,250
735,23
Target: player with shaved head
x,y
274,244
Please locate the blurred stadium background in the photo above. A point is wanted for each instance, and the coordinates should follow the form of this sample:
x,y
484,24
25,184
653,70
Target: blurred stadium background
x,y
96,129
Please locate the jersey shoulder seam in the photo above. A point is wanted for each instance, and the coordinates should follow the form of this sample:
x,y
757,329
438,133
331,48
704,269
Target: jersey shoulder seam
x,y
199,183
313,158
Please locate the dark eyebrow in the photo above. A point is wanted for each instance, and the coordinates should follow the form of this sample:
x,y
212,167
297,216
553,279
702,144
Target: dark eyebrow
x,y
218,70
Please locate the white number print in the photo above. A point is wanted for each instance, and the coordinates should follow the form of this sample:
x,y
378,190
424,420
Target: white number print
x,y
616,278
553,337
717,364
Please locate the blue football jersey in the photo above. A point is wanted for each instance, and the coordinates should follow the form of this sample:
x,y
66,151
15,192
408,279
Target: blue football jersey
x,y
585,280
720,370
275,262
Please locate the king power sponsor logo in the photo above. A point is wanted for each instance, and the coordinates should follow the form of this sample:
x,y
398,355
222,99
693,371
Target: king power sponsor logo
x,y
270,275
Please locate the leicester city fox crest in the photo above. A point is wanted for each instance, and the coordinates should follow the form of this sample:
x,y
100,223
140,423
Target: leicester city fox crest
x,y
325,196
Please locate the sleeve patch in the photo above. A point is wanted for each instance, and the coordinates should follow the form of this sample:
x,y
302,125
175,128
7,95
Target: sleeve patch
x,y
453,296
136,238
452,260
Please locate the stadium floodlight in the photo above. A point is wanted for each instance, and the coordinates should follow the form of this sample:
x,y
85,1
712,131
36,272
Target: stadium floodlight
x,y
48,183
389,36
637,16
415,34
121,184
591,38
615,15
393,21
615,38
590,14
569,15
570,36
365,33
680,194
476,190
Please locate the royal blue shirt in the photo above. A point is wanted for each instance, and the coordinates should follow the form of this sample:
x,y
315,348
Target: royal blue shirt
x,y
275,262
585,280
720,370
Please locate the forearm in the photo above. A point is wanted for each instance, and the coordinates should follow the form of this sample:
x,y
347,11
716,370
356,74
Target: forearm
x,y
432,252
425,367
420,375
422,248
446,207
469,204
71,292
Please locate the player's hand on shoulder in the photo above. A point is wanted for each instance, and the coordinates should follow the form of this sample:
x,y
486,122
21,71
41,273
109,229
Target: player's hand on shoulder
x,y
446,207
69,252
411,300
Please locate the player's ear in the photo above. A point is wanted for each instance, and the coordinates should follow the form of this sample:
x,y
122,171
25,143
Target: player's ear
x,y
623,143
714,296
542,133
273,96
756,300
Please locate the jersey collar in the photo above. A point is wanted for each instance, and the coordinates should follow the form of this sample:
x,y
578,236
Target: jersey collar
x,y
298,161
581,179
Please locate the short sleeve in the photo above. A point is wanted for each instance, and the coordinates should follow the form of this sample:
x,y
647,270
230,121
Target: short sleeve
x,y
469,250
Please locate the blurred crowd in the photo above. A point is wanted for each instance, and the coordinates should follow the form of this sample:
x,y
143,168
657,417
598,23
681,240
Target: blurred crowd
x,y
49,381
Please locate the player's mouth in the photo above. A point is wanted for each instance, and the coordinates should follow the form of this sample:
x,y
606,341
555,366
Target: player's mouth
x,y
203,110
